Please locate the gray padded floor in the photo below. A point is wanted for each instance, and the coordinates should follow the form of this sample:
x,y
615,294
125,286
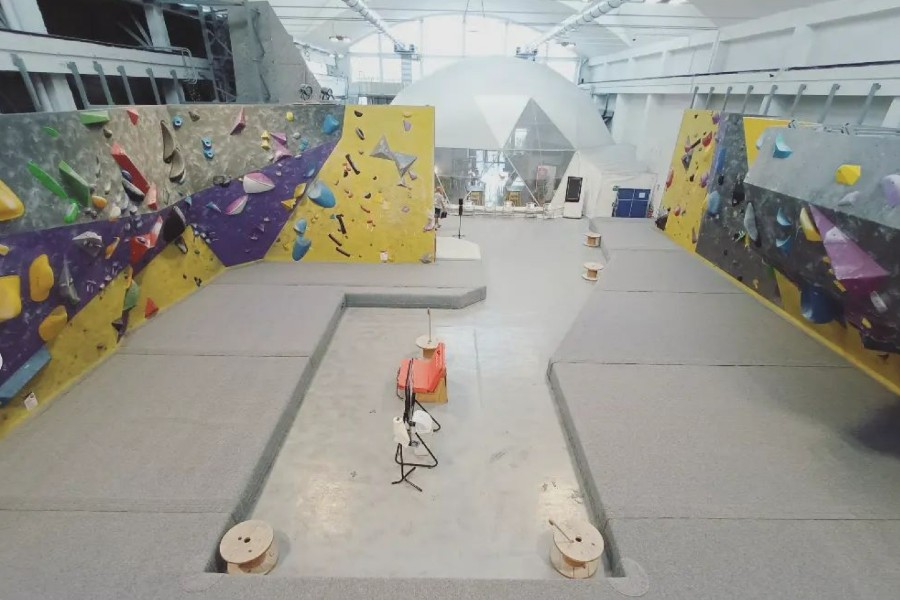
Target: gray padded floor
x,y
727,453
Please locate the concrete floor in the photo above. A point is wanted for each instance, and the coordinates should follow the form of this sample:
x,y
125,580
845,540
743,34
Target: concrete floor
x,y
505,467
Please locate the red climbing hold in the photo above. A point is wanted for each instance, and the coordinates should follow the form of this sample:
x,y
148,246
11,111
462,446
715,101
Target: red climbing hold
x,y
139,246
126,164
707,139
150,308
133,115
670,178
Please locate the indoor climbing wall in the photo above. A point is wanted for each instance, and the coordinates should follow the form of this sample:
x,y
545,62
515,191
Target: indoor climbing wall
x,y
372,200
108,216
688,178
807,219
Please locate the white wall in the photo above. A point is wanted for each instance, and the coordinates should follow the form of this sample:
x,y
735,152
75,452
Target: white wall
x,y
653,84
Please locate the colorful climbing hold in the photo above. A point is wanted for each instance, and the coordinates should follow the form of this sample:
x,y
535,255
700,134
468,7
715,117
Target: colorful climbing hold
x,y
852,265
330,124
111,248
321,194
289,116
133,193
126,164
74,184
177,121
133,115
304,144
40,278
10,297
16,382
808,227
670,178
208,151
848,174
239,122
4,249
139,247
152,197
53,324
114,213
132,294
816,305
360,134
237,206
67,287
782,218
301,247
406,125
784,243
890,185
713,204
707,139
257,183
99,202
89,242
46,179
750,225
704,180
93,117
174,225
72,213
289,204
781,150
300,227
177,168
50,131
150,308
11,207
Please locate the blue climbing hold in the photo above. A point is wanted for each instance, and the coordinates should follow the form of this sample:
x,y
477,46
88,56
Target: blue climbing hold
x,y
177,121
713,204
209,153
784,244
301,247
782,218
304,144
18,380
126,175
330,124
207,142
782,150
719,161
320,194
816,306
300,227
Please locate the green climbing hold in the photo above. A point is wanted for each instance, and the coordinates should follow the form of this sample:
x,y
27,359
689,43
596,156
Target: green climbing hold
x,y
50,131
74,183
94,117
47,180
72,213
131,296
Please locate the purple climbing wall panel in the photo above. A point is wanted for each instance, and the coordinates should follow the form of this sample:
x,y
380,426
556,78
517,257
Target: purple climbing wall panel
x,y
238,231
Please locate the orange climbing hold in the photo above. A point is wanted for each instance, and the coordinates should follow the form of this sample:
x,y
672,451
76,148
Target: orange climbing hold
x,y
11,206
150,308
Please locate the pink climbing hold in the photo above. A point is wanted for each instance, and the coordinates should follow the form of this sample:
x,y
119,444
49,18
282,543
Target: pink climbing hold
x,y
853,267
133,115
239,123
890,185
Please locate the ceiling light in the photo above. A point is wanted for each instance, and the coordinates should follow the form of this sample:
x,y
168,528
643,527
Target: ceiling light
x,y
343,39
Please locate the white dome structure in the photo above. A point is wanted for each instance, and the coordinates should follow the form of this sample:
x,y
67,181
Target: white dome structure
x,y
479,101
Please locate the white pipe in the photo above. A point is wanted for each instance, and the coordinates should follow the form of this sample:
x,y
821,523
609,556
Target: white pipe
x,y
374,18
585,17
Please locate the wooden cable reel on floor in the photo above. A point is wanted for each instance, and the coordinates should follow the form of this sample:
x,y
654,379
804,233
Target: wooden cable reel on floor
x,y
592,240
592,271
577,548
249,548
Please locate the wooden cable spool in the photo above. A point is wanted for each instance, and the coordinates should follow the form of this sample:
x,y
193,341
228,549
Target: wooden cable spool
x,y
592,270
249,548
592,239
577,548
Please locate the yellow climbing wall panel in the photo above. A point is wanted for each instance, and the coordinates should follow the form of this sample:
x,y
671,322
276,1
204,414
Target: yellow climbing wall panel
x,y
173,275
685,197
383,221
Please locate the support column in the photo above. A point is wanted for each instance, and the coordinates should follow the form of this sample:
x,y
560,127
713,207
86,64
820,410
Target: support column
x,y
159,35
52,89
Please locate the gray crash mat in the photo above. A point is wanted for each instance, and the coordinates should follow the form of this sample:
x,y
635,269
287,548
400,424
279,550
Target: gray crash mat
x,y
155,433
653,271
676,328
242,320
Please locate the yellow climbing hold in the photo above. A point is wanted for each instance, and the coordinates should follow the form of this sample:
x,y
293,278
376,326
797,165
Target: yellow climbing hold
x,y
111,248
265,145
848,174
4,249
10,205
289,116
299,191
40,278
53,324
808,227
99,202
10,297
839,285
288,204
866,323
264,135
